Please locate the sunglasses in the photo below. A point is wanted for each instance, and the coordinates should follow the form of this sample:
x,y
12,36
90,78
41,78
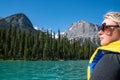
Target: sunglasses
x,y
103,27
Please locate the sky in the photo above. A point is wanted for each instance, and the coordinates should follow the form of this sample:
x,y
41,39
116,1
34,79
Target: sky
x,y
59,14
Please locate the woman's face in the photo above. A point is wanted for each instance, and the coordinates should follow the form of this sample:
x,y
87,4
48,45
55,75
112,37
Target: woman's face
x,y
109,32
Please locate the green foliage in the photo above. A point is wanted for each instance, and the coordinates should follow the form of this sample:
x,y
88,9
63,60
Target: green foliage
x,y
18,44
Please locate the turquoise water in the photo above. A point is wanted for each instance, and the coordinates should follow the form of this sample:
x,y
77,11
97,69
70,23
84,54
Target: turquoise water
x,y
43,70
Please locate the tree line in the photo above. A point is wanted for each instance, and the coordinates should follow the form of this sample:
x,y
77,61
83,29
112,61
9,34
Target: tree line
x,y
19,44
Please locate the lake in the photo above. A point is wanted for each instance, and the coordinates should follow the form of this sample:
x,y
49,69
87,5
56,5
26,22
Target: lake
x,y
43,70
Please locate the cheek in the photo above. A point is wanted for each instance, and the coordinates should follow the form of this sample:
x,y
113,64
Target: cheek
x,y
116,35
110,38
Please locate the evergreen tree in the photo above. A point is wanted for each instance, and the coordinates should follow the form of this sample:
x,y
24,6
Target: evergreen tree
x,y
46,49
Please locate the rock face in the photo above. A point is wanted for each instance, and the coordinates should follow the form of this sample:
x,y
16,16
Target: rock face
x,y
19,20
83,30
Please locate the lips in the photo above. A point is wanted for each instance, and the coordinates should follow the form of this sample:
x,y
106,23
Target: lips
x,y
101,38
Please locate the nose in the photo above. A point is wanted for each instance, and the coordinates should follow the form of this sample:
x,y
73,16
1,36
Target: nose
x,y
100,32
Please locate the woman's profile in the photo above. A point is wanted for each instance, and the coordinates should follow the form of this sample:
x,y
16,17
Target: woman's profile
x,y
104,64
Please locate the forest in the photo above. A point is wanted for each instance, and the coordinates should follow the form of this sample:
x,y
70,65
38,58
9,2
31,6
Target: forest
x,y
19,44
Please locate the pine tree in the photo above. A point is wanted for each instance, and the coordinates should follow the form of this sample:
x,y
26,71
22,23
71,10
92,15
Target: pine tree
x,y
46,49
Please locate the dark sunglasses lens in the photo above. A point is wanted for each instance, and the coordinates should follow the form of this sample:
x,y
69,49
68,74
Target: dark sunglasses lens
x,y
101,28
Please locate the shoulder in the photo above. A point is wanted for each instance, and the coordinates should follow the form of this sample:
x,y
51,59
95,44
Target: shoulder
x,y
108,65
112,57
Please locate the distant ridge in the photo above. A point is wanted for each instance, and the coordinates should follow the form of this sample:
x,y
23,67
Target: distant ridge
x,y
19,20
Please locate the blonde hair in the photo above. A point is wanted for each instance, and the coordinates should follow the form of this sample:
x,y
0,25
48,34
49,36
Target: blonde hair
x,y
114,16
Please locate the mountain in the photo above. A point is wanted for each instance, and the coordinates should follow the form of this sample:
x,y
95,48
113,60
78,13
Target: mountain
x,y
20,20
82,31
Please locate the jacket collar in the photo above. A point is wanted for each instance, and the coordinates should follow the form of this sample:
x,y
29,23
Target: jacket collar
x,y
114,47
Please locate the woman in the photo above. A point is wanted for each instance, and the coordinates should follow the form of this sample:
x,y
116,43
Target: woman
x,y
105,61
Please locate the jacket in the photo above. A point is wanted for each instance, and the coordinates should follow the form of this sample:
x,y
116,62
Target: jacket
x,y
98,54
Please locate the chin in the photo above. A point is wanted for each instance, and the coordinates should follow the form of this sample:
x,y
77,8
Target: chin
x,y
104,44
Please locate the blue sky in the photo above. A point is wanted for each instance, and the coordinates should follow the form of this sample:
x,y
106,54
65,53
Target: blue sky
x,y
59,14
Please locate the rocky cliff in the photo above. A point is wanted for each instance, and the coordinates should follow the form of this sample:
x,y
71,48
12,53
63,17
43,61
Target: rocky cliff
x,y
83,30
